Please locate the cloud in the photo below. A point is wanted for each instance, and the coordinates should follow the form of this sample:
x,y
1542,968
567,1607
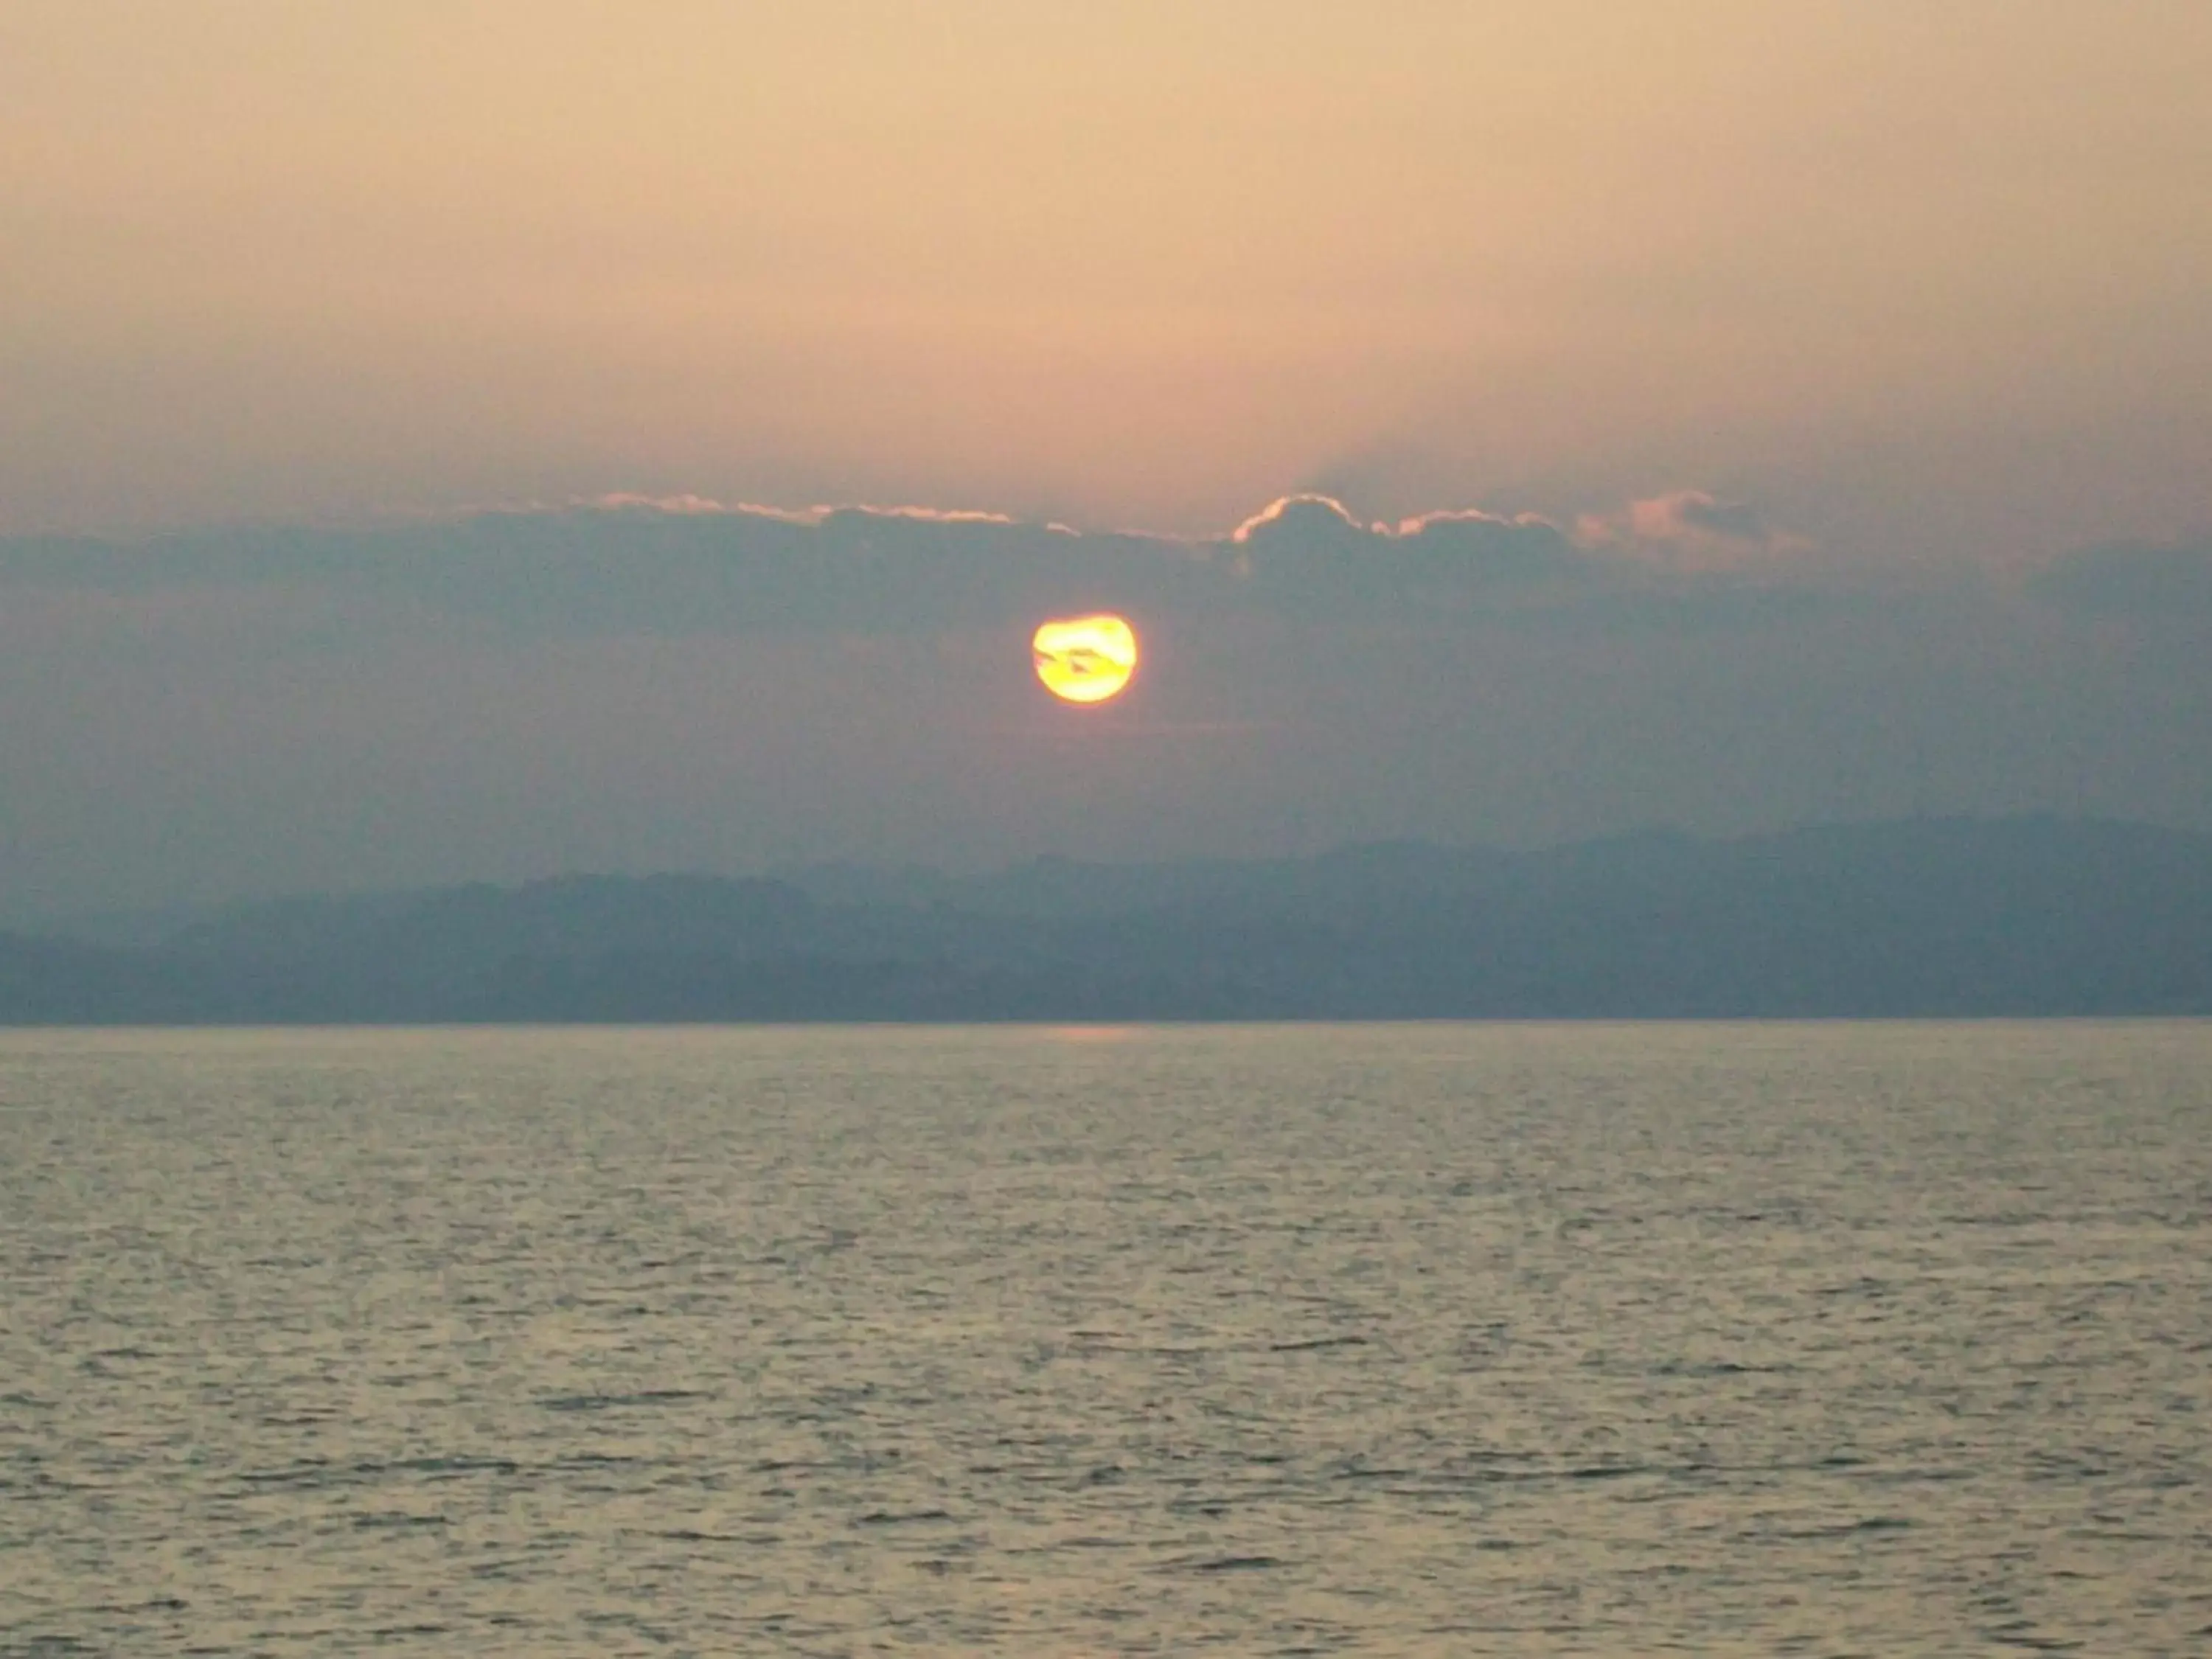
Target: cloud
x,y
1526,548
1308,549
1307,516
688,506
1691,529
2133,579
687,564
623,501
631,684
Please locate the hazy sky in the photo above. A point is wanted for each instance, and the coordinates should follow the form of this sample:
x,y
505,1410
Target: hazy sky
x,y
1929,277
1882,312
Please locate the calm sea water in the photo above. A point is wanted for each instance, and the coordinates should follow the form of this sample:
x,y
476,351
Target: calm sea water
x,y
1420,1339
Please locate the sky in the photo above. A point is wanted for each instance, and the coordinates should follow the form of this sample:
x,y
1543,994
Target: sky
x,y
1825,392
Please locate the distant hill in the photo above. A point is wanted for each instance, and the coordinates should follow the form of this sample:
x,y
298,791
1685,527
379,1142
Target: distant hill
x,y
1935,918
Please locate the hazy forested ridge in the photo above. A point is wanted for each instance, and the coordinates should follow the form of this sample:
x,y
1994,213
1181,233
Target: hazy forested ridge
x,y
2022,916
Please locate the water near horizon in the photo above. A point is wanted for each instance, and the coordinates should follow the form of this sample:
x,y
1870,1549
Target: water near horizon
x,y
1881,1340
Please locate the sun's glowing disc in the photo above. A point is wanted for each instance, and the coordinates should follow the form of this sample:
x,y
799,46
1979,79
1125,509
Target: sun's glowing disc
x,y
1085,659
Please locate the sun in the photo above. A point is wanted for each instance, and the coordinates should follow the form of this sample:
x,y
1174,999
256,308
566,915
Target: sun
x,y
1085,659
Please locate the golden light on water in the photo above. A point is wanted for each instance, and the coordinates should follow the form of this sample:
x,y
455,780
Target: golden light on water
x,y
1085,659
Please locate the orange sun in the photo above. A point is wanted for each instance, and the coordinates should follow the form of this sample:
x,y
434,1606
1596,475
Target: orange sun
x,y
1085,659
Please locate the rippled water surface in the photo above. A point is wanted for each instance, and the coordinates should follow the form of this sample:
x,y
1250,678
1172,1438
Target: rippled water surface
x,y
1450,1339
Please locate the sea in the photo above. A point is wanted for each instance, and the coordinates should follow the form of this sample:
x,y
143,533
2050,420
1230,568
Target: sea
x,y
1823,1340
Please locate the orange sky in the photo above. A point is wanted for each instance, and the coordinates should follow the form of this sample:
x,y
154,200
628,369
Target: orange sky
x,y
1925,279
